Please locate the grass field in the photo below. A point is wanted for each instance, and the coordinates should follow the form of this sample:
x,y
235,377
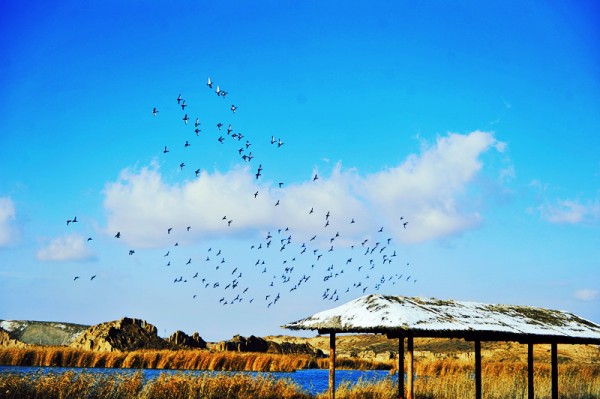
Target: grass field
x,y
445,372
451,382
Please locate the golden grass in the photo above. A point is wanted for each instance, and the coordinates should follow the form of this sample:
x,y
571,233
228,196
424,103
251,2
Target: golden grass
x,y
88,385
175,359
445,378
449,380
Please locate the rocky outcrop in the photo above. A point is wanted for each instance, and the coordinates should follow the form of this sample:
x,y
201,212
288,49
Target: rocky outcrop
x,y
256,344
182,340
6,341
243,344
122,335
289,348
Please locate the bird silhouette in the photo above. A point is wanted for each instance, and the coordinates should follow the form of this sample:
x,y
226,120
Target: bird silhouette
x,y
154,111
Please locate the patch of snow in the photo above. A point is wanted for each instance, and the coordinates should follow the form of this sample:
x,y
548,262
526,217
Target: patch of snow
x,y
379,312
9,325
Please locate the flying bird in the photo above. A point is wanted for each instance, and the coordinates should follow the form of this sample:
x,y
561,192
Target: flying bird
x,y
209,83
179,98
154,111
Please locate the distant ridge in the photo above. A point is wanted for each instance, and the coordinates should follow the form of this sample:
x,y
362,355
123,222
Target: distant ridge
x,y
42,332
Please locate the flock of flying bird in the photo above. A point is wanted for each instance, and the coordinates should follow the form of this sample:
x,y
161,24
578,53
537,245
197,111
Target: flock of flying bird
x,y
283,263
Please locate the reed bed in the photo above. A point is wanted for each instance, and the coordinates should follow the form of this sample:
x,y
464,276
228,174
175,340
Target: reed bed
x,y
500,381
70,385
58,356
436,378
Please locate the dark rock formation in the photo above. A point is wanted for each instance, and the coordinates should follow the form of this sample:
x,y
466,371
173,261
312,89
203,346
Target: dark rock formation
x,y
256,344
243,344
122,335
181,339
289,348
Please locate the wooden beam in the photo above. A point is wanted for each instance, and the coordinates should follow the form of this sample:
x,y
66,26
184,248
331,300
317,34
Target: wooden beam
x,y
332,365
530,388
554,372
401,368
409,369
477,369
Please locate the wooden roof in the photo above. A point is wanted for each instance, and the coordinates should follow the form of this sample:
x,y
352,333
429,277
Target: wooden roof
x,y
399,316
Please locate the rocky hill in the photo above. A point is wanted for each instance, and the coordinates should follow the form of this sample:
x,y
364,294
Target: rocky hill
x,y
42,332
179,339
257,344
126,334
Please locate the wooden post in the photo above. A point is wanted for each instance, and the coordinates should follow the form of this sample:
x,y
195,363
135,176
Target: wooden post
x,y
530,389
554,373
332,365
401,368
477,369
409,369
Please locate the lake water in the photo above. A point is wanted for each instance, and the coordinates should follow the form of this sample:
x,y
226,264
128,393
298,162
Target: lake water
x,y
314,380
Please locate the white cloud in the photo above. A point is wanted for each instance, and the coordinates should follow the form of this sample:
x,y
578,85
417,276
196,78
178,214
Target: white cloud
x,y
570,211
7,219
66,248
586,295
432,190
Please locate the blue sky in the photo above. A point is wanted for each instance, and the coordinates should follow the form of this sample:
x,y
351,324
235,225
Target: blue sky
x,y
477,124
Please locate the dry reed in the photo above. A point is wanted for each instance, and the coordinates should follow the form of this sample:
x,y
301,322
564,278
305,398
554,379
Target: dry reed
x,y
59,356
93,386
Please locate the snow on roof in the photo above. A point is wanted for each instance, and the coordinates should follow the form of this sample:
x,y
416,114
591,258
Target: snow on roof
x,y
448,318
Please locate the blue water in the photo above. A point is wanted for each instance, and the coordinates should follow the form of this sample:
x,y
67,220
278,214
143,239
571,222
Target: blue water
x,y
313,381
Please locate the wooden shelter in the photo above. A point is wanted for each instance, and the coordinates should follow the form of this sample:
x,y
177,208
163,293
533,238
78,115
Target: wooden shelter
x,y
408,317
